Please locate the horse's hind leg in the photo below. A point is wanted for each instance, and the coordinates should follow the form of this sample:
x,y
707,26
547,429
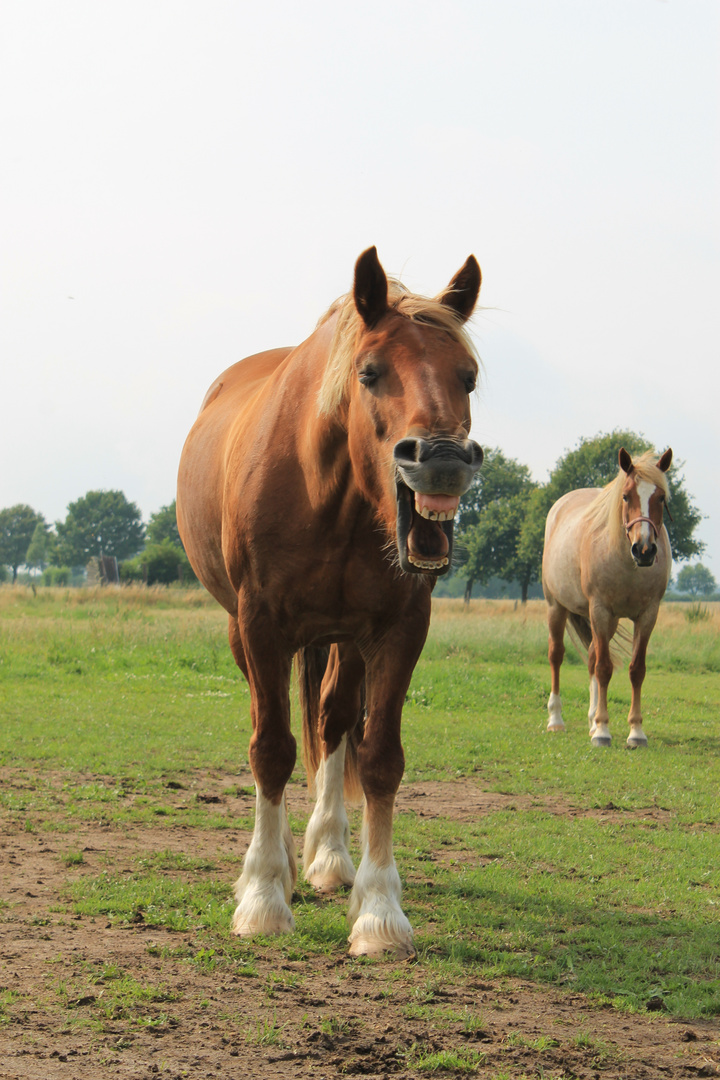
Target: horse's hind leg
x,y
557,618
328,865
264,888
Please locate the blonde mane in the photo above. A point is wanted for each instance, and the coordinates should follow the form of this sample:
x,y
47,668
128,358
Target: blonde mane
x,y
605,511
335,385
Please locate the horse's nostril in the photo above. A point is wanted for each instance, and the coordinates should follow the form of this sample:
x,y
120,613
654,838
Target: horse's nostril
x,y
409,450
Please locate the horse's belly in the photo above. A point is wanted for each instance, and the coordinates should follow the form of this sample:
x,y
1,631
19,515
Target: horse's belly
x,y
203,467
562,578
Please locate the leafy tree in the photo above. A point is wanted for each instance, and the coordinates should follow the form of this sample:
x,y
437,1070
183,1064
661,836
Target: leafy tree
x,y
500,477
490,522
594,463
495,544
159,564
99,523
163,526
17,525
696,580
40,547
531,540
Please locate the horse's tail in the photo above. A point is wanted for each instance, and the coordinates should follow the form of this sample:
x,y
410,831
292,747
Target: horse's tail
x,y
580,632
310,665
581,635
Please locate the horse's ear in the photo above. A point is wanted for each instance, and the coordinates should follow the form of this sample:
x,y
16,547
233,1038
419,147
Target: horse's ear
x,y
370,288
665,461
462,292
625,461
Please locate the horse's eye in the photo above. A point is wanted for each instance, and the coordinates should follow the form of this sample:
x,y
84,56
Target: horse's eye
x,y
368,377
470,382
625,498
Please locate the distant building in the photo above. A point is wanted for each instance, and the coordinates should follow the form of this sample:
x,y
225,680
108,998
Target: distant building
x,y
103,570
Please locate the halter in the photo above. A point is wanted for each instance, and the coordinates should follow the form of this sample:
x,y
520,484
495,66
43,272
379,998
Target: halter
x,y
629,524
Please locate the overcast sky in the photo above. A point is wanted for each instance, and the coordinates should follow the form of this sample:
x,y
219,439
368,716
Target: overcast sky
x,y
185,183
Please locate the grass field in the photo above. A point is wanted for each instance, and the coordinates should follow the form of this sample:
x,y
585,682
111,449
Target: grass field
x,y
592,871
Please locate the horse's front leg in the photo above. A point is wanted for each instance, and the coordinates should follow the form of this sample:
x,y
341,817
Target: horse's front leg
x,y
600,668
264,888
592,707
641,637
379,925
328,865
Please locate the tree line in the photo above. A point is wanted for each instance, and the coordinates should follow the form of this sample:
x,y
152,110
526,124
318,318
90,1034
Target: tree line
x,y
100,523
499,529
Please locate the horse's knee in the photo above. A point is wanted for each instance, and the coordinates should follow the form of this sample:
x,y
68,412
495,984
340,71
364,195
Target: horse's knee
x,y
603,669
380,767
637,671
556,652
272,759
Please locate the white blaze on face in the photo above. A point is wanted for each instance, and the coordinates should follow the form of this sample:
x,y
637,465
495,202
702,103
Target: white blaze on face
x,y
645,489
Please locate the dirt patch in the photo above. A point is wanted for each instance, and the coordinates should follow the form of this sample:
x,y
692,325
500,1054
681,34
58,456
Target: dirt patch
x,y
283,1019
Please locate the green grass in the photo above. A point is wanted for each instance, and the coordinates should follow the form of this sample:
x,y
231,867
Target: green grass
x,y
599,873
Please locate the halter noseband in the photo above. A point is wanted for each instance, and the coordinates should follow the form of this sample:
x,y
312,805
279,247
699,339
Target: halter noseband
x,y
629,524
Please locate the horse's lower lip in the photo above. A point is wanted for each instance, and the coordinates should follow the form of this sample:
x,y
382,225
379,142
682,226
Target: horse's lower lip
x,y
434,536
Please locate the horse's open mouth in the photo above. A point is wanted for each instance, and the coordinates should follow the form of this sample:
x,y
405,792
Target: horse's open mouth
x,y
425,530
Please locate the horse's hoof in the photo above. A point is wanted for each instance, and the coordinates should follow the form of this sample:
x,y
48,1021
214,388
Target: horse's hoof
x,y
601,740
636,740
324,884
555,726
250,923
330,871
382,950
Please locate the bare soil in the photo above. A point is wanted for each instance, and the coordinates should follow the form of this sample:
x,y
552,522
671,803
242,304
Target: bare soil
x,y
331,1017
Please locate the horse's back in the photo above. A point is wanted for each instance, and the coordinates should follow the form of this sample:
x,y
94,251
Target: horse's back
x,y
201,476
561,564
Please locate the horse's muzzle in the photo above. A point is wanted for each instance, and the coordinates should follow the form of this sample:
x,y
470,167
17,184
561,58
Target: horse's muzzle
x,y
440,466
431,475
644,554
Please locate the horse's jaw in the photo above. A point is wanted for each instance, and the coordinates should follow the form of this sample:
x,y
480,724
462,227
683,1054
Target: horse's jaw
x,y
424,543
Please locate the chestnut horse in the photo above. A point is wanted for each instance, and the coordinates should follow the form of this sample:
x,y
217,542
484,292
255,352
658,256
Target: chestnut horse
x,y
316,496
607,557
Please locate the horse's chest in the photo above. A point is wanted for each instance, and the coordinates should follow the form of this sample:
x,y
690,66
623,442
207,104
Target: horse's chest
x,y
625,591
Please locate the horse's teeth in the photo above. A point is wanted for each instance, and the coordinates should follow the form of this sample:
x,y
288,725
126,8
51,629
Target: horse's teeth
x,y
437,515
424,564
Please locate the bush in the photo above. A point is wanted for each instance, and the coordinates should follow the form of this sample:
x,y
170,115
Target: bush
x,y
159,564
57,575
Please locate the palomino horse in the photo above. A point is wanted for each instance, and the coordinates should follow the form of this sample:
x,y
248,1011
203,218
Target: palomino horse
x,y
607,557
316,496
